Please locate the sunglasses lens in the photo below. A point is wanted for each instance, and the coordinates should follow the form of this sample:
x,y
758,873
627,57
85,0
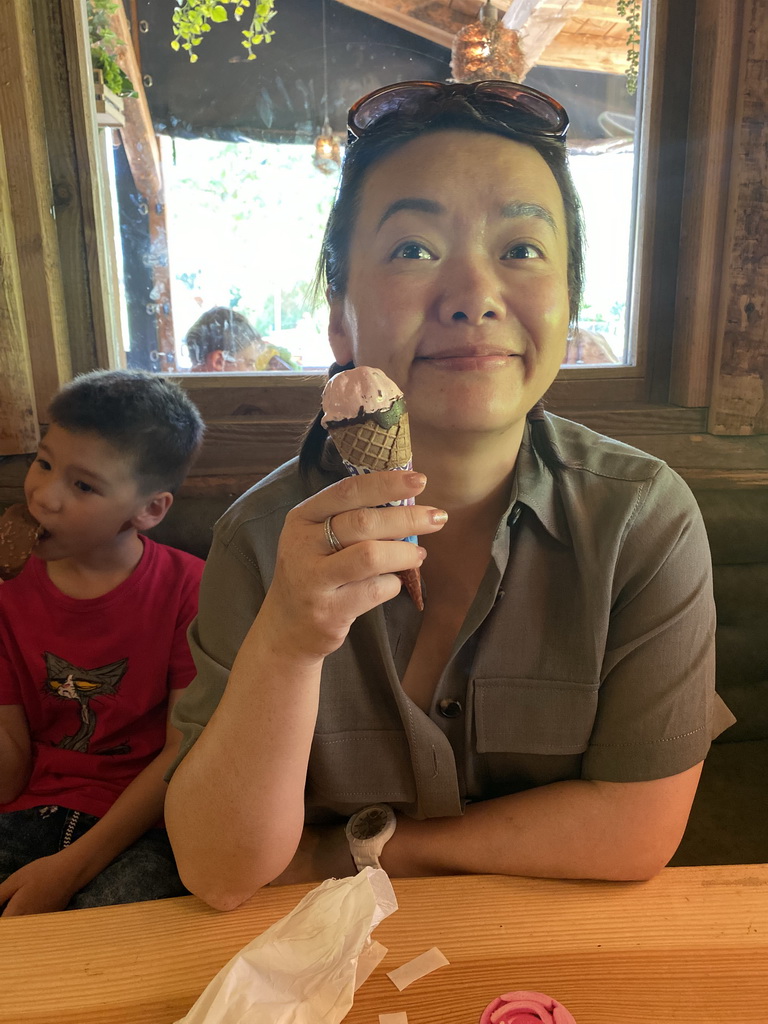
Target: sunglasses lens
x,y
551,116
390,101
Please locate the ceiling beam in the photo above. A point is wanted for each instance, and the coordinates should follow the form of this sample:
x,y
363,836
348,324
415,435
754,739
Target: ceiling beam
x,y
434,21
545,25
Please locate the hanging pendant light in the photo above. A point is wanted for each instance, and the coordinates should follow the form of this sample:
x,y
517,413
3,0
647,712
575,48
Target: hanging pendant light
x,y
327,155
485,49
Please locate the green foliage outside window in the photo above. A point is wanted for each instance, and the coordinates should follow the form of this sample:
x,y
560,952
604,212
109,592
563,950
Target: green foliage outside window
x,y
104,42
193,18
630,10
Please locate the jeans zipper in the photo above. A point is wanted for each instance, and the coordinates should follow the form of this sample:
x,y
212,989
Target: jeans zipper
x,y
70,829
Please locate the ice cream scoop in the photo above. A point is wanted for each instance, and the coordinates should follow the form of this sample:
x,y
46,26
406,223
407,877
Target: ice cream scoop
x,y
364,412
18,535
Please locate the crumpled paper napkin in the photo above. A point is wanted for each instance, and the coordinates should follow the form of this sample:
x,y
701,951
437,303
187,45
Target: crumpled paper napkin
x,y
302,969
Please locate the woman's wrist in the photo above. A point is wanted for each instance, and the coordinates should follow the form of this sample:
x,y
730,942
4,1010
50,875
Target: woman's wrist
x,y
270,641
411,852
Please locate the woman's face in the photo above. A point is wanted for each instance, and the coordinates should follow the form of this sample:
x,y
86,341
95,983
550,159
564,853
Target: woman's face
x,y
458,280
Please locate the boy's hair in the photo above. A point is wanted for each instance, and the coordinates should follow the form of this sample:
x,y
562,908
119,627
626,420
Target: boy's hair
x,y
219,329
143,415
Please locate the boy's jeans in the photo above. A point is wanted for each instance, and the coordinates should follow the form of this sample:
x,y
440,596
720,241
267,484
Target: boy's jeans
x,y
146,870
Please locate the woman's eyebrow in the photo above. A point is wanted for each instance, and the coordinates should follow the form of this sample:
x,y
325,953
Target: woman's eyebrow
x,y
520,209
423,205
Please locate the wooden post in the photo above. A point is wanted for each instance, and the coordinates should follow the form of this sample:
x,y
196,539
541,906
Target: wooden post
x,y
18,418
143,153
29,186
712,130
740,394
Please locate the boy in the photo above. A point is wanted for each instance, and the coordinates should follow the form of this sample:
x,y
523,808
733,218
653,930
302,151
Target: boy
x,y
93,650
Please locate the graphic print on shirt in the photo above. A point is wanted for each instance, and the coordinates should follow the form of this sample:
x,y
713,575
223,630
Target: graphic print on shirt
x,y
70,682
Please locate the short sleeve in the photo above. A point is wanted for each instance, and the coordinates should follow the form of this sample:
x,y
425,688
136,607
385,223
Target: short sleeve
x,y
231,593
181,667
657,708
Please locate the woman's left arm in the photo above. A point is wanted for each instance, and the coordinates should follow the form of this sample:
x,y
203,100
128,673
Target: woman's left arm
x,y
575,829
616,831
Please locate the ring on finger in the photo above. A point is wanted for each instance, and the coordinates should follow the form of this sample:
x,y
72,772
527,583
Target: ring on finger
x,y
333,541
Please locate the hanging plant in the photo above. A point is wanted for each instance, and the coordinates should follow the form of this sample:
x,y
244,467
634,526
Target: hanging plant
x,y
193,18
630,11
104,43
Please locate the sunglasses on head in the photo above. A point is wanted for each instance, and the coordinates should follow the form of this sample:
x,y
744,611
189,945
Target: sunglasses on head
x,y
503,101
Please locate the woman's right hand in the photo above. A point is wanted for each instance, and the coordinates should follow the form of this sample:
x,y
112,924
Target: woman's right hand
x,y
317,593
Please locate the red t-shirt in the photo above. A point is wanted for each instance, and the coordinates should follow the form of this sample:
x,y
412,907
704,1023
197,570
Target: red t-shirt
x,y
94,675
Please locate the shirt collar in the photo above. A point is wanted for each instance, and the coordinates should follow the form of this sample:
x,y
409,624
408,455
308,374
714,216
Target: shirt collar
x,y
538,489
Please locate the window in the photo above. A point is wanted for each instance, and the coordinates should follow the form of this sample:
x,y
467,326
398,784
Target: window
x,y
244,207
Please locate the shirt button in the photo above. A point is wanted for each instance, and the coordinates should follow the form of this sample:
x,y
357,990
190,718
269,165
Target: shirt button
x,y
450,707
514,515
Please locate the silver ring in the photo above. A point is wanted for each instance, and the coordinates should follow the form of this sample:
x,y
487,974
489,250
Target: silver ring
x,y
333,541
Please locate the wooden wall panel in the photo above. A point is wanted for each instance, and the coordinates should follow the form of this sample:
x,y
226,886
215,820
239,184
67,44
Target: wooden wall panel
x,y
18,420
29,184
87,341
740,394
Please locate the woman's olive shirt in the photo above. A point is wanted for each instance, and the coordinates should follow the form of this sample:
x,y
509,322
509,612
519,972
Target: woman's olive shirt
x,y
588,651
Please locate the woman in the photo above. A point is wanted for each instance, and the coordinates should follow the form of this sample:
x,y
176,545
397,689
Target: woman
x,y
549,711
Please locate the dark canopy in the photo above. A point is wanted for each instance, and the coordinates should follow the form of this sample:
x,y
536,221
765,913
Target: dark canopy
x,y
279,96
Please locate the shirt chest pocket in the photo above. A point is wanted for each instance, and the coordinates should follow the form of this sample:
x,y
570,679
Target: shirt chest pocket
x,y
533,716
351,769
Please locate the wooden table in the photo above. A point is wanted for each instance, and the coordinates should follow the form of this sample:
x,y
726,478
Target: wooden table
x,y
689,947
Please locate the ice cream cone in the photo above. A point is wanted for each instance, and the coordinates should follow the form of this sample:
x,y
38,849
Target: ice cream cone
x,y
375,436
18,536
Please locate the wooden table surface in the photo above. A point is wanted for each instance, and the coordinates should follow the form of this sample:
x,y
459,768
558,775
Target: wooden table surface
x,y
689,947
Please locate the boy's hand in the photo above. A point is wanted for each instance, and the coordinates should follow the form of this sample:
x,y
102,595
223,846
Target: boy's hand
x,y
40,887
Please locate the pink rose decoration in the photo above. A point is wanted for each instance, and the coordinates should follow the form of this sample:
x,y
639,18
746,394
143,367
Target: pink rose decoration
x,y
526,1008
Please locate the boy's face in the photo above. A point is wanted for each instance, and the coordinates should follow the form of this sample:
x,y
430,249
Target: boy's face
x,y
84,493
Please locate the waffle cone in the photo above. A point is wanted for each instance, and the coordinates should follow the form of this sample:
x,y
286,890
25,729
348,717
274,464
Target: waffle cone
x,y
411,580
369,446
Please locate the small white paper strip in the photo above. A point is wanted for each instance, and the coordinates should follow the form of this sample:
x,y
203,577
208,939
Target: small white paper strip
x,y
417,968
368,961
393,1018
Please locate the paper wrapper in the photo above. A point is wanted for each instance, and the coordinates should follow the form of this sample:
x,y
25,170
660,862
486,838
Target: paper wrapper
x,y
303,969
18,536
368,447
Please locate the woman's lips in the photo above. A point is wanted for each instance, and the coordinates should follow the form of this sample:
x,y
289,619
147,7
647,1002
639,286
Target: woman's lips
x,y
467,361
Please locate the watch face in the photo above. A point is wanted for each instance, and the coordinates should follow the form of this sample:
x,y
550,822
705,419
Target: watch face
x,y
369,823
